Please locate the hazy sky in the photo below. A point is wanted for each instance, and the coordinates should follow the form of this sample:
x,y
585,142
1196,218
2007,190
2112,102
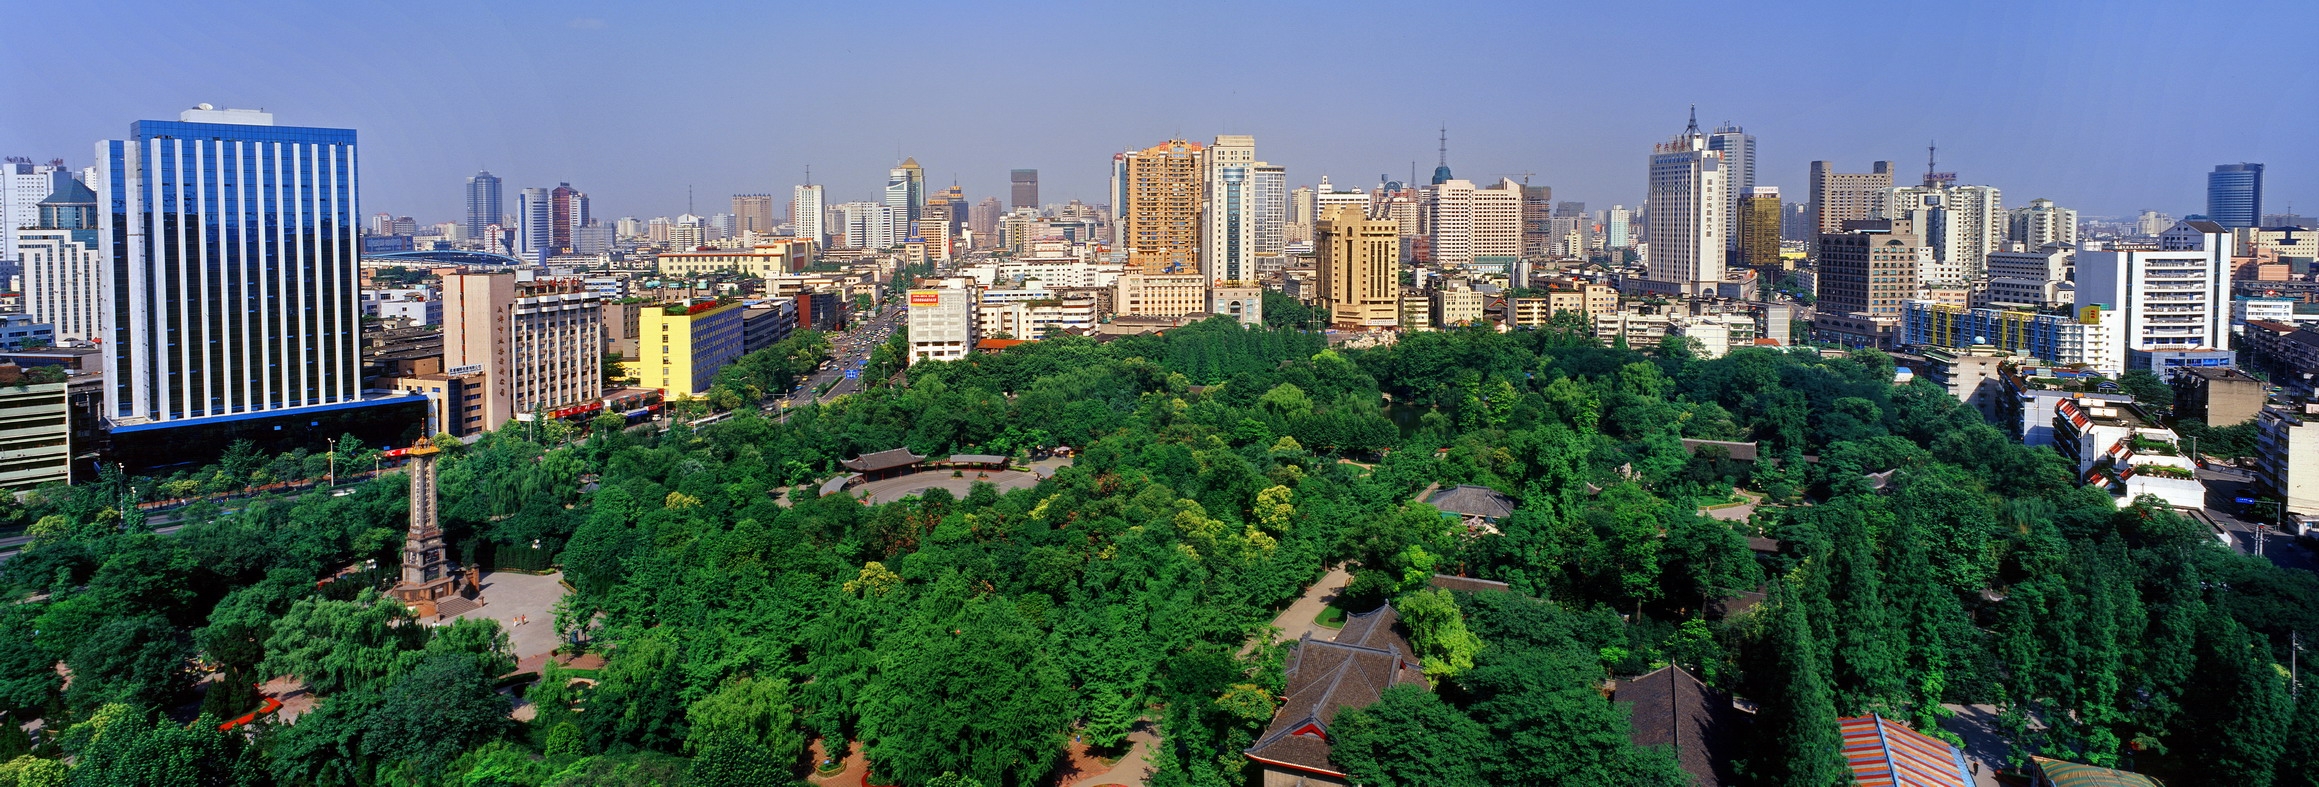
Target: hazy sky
x,y
2108,107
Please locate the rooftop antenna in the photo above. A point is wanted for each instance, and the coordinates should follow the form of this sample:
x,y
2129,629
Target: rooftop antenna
x,y
809,174
1932,174
1444,146
1692,130
688,200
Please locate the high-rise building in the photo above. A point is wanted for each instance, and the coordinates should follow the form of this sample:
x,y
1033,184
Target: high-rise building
x,y
1271,209
1616,228
1738,149
2042,223
983,222
1155,204
1464,224
1228,210
753,213
1685,221
868,225
2176,299
1358,262
1569,209
942,324
483,204
680,346
1838,197
1026,188
906,193
568,208
2234,195
540,345
226,299
534,231
1962,224
1758,228
1537,210
934,229
23,185
64,275
1864,275
805,214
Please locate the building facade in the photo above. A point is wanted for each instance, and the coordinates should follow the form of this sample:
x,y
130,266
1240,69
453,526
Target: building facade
x,y
1757,228
483,204
682,345
2088,338
539,344
1025,188
942,324
1463,224
2174,298
1686,219
1838,197
1228,210
229,295
1358,262
1156,195
2042,223
2234,195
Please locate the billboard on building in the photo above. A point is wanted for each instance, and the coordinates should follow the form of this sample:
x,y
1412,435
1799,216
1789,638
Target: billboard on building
x,y
925,298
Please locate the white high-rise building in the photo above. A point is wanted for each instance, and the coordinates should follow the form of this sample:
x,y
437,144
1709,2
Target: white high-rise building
x,y
2174,299
1467,223
64,275
868,225
1271,209
1615,230
805,207
23,185
535,214
1228,212
1962,224
1327,198
942,324
2042,223
1685,222
1738,149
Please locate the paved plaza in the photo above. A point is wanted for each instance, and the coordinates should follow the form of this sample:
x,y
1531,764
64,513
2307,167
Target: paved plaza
x,y
893,489
507,595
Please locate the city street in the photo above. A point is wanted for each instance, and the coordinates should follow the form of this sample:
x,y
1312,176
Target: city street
x,y
2224,485
848,350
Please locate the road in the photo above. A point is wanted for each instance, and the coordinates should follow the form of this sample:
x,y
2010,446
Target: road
x,y
848,350
2223,486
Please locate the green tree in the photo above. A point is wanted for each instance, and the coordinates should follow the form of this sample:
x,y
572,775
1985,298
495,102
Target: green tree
x,y
1438,633
744,733
638,699
1409,738
341,645
444,706
977,695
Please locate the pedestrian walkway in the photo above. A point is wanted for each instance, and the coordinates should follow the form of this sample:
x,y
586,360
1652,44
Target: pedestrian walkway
x,y
1303,615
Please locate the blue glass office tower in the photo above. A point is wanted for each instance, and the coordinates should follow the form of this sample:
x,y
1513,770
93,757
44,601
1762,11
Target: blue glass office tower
x,y
233,289
483,204
2234,195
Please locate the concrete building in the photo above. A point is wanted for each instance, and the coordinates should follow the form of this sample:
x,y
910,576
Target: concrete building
x,y
1463,224
35,435
1686,216
2175,299
806,213
454,401
766,259
2287,456
2220,396
2034,280
1971,375
1757,228
1456,307
1838,197
2042,223
753,213
539,344
1243,302
1962,224
1025,185
64,272
765,323
2234,195
1358,263
1537,213
1155,202
1228,210
1034,319
2088,337
942,324
684,344
1865,273
1160,294
2242,311
23,185
1737,148
2116,449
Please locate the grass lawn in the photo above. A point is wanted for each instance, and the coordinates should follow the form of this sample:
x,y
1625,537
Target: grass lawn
x,y
1331,617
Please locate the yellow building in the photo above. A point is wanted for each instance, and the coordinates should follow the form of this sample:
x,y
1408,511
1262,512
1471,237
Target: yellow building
x,y
767,259
681,346
1158,218
1359,264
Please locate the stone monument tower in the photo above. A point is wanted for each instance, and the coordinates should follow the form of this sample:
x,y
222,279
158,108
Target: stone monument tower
x,y
429,577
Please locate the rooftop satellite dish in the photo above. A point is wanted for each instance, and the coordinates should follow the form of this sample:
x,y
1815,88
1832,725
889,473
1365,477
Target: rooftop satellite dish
x,y
203,106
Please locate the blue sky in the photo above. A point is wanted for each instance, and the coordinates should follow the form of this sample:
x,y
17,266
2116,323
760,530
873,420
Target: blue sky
x,y
2108,107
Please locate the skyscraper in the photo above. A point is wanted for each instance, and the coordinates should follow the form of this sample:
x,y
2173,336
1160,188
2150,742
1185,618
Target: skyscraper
x,y
1537,210
805,214
1962,224
1738,149
1465,224
535,218
753,213
229,296
982,220
1228,211
2234,195
1838,197
568,208
483,203
2042,223
1358,262
906,196
1615,230
2176,299
1026,188
1758,228
1155,206
1271,209
1685,221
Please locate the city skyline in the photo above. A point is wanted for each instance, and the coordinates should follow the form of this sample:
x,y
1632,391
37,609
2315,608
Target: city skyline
x,y
2055,109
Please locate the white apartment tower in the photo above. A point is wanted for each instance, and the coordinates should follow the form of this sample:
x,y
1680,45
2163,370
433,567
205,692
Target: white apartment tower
x,y
2043,223
1685,222
1271,209
23,185
535,219
2174,298
1467,223
1962,224
1738,149
1228,213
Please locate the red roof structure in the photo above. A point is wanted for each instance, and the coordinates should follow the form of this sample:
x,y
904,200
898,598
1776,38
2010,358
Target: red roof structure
x,y
1326,677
